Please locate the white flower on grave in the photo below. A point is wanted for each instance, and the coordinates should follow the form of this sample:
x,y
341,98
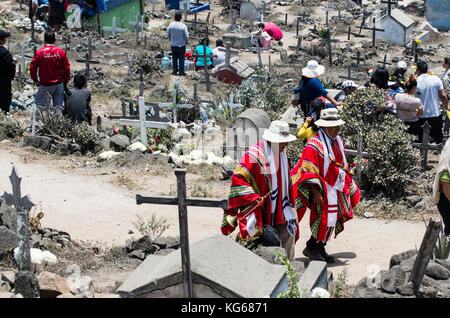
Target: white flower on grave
x,y
38,256
320,293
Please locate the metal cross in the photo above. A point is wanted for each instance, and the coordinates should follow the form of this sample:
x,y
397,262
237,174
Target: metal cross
x,y
183,202
349,74
329,41
384,61
374,29
390,3
87,62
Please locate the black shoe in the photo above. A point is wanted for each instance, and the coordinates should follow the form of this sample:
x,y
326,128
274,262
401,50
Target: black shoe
x,y
328,258
312,251
174,73
184,74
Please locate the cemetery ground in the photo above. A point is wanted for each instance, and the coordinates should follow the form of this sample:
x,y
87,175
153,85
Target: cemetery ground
x,y
100,219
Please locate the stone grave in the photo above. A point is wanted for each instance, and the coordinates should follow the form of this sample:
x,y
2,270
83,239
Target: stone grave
x,y
220,268
238,40
245,131
399,26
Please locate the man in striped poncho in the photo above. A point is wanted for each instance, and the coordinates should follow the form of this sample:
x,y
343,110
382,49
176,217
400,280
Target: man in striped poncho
x,y
322,181
263,176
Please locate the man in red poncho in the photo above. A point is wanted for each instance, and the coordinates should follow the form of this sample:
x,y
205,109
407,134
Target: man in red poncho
x,y
264,173
322,182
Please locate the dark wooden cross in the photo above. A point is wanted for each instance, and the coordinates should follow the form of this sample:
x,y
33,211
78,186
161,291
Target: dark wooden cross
x,y
415,53
205,57
25,282
424,255
349,76
363,22
384,61
349,33
329,40
90,46
425,146
87,62
195,22
263,10
374,30
390,3
358,59
183,202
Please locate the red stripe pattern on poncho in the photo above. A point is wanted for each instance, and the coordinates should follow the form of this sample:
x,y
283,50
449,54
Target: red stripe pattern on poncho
x,y
310,170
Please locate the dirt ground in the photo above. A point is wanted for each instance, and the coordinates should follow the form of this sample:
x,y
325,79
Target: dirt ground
x,y
93,208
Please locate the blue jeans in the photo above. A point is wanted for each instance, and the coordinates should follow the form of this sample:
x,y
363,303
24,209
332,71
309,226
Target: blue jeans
x,y
46,93
178,59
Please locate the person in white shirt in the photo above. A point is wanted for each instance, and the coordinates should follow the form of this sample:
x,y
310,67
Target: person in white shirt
x,y
446,66
430,90
219,51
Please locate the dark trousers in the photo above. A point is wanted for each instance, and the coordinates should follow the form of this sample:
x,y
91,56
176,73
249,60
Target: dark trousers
x,y
5,96
414,128
178,59
444,209
436,128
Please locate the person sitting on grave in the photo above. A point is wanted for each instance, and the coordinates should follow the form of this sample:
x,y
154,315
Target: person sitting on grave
x,y
50,71
309,129
219,53
441,187
199,51
311,87
322,182
39,9
260,197
348,87
88,8
77,106
178,35
430,90
261,38
408,106
8,67
399,75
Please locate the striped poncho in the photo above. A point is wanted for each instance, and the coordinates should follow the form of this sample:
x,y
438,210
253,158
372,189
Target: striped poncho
x,y
314,167
252,180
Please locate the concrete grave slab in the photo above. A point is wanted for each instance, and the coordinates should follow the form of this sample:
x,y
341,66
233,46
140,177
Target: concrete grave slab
x,y
220,268
316,275
294,120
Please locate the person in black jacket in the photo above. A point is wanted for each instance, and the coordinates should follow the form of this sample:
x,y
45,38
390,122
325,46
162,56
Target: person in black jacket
x,y
8,67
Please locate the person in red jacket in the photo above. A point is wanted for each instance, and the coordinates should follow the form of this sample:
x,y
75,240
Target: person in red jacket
x,y
50,71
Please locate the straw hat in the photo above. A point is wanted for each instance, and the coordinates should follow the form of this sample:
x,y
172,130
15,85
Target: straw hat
x,y
313,69
329,117
278,132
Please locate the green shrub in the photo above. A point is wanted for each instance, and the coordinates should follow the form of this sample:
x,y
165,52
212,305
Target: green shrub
x,y
10,128
153,227
384,137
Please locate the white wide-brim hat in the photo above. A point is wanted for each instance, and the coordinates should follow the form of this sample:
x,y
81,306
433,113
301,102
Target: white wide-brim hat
x,y
329,117
313,69
278,132
349,83
402,64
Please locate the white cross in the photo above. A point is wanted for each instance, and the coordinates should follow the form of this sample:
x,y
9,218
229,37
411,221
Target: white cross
x,y
139,26
113,28
231,104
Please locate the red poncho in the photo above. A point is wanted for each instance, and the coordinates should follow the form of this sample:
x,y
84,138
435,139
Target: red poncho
x,y
311,170
252,180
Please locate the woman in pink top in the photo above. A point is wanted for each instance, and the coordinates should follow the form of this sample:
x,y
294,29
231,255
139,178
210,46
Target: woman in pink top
x,y
408,106
272,30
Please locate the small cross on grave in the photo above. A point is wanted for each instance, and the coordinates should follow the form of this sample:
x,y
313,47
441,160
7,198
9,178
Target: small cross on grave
x,y
24,57
384,61
390,3
90,46
205,57
87,62
349,74
425,146
138,26
154,3
326,9
359,59
231,105
67,42
263,10
258,50
25,282
228,53
183,202
329,40
127,62
359,153
298,47
374,30
142,123
233,26
424,255
195,22
113,28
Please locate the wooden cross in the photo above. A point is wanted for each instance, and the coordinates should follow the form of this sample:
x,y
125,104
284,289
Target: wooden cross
x,y
205,57
424,255
390,3
138,26
87,62
374,29
113,28
329,41
425,146
349,76
67,42
195,22
231,104
258,50
127,62
142,123
20,78
25,282
415,53
263,11
183,202
298,47
358,59
24,57
233,26
141,83
384,61
90,46
326,9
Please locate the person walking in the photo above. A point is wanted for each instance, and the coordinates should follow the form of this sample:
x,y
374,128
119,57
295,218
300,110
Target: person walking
x,y
56,17
178,35
8,67
261,182
409,107
77,105
311,87
430,90
50,71
322,182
